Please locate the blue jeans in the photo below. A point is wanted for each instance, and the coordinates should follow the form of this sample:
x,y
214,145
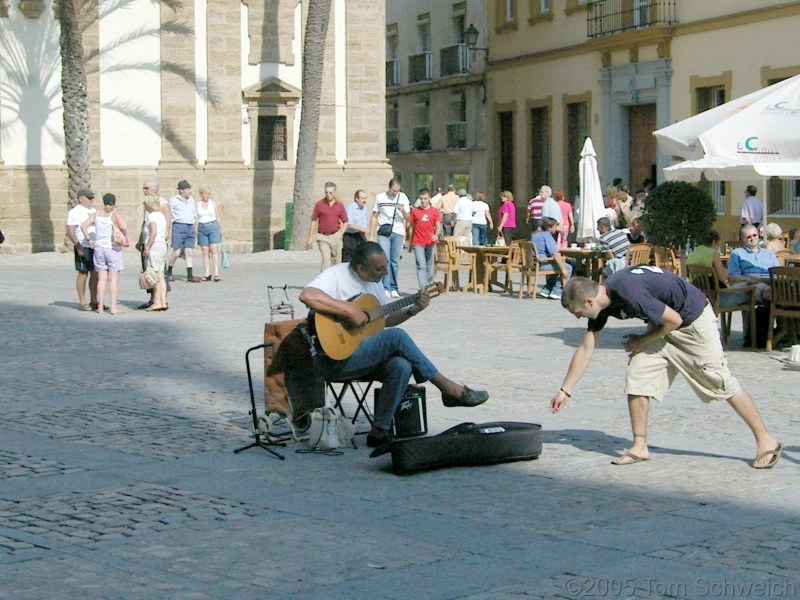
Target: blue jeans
x,y
425,263
390,357
552,283
479,237
393,247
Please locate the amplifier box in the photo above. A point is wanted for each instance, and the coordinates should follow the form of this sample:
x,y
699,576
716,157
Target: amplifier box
x,y
411,418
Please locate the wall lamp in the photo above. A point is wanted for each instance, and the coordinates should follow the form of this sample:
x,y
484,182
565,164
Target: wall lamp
x,y
471,38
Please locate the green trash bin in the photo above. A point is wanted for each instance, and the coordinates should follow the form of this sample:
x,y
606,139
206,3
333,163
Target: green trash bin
x,y
288,232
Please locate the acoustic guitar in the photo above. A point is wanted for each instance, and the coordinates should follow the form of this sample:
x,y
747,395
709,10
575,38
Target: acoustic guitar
x,y
339,339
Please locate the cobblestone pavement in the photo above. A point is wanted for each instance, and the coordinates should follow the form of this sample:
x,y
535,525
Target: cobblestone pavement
x,y
118,477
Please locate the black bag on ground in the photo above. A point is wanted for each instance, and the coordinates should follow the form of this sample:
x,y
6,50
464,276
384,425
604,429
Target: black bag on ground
x,y
466,444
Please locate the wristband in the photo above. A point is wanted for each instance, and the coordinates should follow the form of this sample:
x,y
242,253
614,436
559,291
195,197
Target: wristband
x,y
565,392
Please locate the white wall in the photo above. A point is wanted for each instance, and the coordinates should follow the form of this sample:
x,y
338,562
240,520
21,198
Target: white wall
x,y
31,127
130,82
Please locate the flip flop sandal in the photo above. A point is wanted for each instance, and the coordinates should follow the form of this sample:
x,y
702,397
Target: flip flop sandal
x,y
85,308
776,455
633,459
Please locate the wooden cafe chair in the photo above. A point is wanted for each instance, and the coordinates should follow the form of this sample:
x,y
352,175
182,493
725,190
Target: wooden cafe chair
x,y
706,279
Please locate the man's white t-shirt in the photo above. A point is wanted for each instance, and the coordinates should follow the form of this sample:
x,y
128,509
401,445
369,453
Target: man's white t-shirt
x,y
77,216
385,207
342,283
464,209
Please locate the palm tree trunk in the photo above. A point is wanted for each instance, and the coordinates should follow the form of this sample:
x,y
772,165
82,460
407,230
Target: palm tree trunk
x,y
73,98
313,60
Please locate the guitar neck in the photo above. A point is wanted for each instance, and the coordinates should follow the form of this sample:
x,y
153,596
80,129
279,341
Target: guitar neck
x,y
385,310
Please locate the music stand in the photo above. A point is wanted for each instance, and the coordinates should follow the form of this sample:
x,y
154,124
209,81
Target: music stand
x,y
254,413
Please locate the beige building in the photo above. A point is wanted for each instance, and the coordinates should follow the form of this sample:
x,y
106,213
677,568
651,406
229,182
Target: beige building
x,y
219,106
436,95
616,70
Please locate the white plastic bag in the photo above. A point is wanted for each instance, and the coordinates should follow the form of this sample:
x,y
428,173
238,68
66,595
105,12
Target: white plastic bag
x,y
329,429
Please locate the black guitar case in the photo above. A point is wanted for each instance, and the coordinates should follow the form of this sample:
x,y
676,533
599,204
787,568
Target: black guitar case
x,y
466,444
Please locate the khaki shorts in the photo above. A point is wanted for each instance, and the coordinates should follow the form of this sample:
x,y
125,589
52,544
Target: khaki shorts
x,y
695,352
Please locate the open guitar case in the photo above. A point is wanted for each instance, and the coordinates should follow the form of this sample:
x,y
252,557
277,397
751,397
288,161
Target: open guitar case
x,y
466,444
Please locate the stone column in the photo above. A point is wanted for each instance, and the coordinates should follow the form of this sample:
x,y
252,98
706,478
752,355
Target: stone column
x,y
224,82
178,139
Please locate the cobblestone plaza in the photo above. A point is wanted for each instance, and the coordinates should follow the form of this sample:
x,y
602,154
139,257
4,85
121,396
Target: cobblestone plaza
x,y
118,477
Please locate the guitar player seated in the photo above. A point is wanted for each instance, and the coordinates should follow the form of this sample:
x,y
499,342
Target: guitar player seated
x,y
350,296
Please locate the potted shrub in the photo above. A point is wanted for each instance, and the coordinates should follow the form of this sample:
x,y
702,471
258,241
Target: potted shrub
x,y
676,214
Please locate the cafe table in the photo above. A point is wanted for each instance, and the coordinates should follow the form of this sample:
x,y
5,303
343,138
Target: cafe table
x,y
589,259
485,256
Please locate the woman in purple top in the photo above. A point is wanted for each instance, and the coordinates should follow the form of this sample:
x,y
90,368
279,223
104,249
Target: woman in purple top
x,y
507,221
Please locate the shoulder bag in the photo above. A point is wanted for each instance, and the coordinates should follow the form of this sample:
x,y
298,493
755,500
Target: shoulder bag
x,y
386,229
119,238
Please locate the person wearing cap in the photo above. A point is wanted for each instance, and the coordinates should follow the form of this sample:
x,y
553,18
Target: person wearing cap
x,y
83,254
463,211
184,233
108,260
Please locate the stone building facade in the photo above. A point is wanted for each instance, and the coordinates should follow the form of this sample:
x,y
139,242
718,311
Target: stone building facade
x,y
617,70
436,95
209,92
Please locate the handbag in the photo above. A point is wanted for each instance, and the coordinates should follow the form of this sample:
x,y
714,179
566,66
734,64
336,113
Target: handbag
x,y
329,429
119,238
386,229
500,240
148,278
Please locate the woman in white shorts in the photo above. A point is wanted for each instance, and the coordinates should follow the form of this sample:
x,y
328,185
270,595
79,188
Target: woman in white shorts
x,y
155,249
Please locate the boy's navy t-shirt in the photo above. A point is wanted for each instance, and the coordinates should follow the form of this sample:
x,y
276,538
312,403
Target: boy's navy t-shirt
x,y
642,292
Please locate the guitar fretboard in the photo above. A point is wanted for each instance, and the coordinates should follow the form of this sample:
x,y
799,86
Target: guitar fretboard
x,y
387,309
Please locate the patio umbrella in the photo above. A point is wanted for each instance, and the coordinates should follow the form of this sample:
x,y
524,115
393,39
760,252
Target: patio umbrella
x,y
750,138
590,206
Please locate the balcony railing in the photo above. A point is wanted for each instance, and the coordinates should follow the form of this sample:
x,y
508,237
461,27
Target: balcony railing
x,y
608,17
393,72
422,138
454,60
419,67
392,141
457,135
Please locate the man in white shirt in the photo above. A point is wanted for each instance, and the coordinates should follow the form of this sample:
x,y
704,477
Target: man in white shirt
x,y
390,355
84,259
463,210
390,214
550,207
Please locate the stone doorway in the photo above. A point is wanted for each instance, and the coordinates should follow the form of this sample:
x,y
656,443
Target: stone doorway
x,y
641,144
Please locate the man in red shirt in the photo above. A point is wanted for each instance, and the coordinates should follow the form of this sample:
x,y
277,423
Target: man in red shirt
x,y
330,219
426,227
533,212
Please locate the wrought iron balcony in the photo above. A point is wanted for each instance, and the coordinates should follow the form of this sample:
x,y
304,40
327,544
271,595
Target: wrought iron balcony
x,y
422,138
419,67
392,141
393,72
609,17
457,135
454,60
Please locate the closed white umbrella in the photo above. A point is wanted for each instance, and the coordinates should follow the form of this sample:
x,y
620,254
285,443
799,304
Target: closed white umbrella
x,y
590,206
